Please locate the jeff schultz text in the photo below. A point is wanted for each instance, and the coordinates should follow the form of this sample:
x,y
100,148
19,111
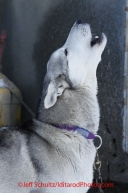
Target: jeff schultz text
x,y
61,184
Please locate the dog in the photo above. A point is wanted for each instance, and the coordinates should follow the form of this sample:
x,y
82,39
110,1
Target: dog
x,y
52,152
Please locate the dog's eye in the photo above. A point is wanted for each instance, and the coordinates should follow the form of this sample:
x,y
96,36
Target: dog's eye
x,y
60,86
66,52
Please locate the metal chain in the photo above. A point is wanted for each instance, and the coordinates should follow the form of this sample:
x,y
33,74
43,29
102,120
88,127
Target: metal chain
x,y
97,166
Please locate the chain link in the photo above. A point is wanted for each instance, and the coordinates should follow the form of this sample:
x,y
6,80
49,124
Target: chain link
x,y
97,166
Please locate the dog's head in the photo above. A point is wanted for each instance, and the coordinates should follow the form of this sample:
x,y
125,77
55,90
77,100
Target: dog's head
x,y
69,66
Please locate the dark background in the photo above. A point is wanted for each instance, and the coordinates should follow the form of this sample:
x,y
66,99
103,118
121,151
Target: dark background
x,y
38,27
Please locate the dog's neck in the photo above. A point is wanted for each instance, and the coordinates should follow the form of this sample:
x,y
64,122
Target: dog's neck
x,y
75,107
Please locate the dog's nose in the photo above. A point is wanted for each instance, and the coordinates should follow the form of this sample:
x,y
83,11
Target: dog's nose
x,y
78,21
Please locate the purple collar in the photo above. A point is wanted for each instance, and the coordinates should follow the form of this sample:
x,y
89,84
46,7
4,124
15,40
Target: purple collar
x,y
85,133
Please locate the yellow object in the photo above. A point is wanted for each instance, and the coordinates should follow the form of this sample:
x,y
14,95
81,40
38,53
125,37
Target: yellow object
x,y
10,107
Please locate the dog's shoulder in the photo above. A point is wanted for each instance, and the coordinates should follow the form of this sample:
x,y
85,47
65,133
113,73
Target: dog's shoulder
x,y
12,135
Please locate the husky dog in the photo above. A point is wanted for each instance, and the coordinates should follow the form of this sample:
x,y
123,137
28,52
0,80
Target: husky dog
x,y
53,152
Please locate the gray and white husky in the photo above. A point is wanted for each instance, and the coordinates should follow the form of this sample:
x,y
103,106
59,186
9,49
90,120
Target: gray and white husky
x,y
53,152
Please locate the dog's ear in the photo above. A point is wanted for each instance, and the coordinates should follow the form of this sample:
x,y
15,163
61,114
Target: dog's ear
x,y
54,89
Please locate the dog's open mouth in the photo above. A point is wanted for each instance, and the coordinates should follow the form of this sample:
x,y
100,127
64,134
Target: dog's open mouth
x,y
97,40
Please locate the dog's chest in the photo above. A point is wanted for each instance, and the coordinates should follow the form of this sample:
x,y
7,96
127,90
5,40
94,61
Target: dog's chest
x,y
73,166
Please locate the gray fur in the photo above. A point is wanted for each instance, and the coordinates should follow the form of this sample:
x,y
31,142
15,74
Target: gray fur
x,y
40,152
